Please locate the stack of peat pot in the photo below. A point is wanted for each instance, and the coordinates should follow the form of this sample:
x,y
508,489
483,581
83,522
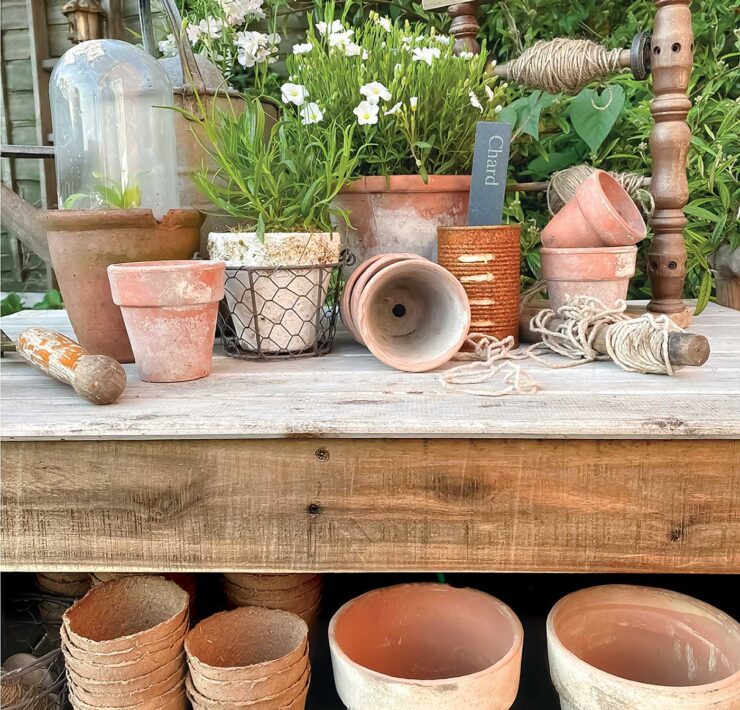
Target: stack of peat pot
x,y
297,593
63,584
123,645
249,657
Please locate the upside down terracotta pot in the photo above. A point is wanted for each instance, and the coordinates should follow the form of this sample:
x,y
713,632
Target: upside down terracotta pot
x,y
412,314
602,273
621,647
170,310
83,243
400,214
426,647
600,214
486,262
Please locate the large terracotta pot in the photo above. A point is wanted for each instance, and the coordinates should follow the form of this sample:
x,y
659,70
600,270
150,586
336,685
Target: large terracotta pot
x,y
83,243
621,647
400,214
426,647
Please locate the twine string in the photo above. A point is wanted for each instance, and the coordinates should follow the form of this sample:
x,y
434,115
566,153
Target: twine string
x,y
635,344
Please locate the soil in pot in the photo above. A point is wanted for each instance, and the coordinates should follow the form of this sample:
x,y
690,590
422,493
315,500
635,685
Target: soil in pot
x,y
603,273
83,243
170,310
426,646
274,309
400,214
631,648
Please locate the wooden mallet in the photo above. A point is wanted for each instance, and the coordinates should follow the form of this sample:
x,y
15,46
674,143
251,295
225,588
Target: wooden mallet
x,y
96,378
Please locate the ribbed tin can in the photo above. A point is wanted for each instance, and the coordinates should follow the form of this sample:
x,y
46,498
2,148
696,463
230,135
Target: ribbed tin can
x,y
486,262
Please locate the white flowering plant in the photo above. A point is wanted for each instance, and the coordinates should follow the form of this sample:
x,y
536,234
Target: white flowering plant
x,y
414,103
225,32
281,179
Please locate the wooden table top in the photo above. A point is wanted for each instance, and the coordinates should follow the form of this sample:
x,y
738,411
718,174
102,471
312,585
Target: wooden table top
x,y
349,394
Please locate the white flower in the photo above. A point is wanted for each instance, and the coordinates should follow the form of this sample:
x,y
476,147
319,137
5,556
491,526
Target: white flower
x,y
335,27
413,102
375,91
474,101
365,55
407,40
425,54
237,11
466,55
294,93
339,39
352,50
211,26
256,48
394,109
311,113
302,48
194,33
366,113
168,47
384,22
498,109
443,39
489,93
396,68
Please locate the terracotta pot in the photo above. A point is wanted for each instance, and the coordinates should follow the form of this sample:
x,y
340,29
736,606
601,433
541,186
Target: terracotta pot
x,y
284,306
486,262
64,584
98,694
83,243
170,310
426,647
412,315
270,582
602,273
633,648
126,613
602,214
174,699
400,214
247,643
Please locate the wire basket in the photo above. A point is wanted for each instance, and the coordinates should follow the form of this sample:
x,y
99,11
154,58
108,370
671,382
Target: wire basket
x,y
31,626
280,312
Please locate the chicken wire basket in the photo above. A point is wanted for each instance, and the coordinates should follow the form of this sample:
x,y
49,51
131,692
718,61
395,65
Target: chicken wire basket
x,y
33,675
280,312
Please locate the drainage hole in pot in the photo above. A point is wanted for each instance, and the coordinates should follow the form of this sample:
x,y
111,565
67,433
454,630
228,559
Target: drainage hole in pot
x,y
399,310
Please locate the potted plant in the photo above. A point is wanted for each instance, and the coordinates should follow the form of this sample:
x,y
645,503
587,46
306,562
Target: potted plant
x,y
415,105
282,191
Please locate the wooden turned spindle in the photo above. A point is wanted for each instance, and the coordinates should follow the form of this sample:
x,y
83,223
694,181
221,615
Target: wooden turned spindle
x,y
672,59
464,27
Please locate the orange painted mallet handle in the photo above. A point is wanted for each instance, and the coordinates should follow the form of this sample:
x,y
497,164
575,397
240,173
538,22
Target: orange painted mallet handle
x,y
97,378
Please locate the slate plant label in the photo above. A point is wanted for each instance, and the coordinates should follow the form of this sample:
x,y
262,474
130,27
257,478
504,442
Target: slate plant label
x,y
490,168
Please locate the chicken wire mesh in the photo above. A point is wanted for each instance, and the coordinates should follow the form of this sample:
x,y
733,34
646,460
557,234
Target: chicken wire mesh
x,y
33,675
279,312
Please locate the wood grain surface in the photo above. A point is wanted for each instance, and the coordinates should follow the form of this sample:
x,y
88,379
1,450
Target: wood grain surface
x,y
372,504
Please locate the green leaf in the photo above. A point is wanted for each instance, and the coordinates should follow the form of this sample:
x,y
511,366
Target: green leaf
x,y
701,213
705,291
593,115
12,303
51,301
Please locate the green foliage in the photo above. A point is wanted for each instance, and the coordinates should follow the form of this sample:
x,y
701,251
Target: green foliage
x,y
425,123
283,182
13,303
110,194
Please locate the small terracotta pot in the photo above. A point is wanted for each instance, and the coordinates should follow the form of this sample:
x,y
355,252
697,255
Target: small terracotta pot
x,y
486,262
64,584
426,647
174,699
270,582
283,698
602,214
170,310
125,695
126,613
400,214
602,273
83,243
633,648
247,643
412,315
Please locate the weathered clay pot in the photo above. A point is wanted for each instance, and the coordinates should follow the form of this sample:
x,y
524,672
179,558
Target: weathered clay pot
x,y
66,584
486,262
283,305
127,694
400,214
285,697
170,310
412,315
83,243
602,273
271,581
602,214
246,644
174,699
126,613
426,647
621,647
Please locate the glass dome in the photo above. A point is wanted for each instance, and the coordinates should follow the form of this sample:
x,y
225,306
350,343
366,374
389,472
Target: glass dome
x,y
114,143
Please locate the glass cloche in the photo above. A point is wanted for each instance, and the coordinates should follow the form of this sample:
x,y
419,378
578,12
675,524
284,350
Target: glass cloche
x,y
114,140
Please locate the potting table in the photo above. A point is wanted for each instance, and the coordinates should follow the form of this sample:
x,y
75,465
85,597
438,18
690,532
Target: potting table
x,y
338,463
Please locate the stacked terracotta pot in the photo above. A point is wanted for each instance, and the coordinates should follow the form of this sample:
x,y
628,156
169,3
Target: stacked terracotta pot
x,y
411,313
123,645
63,584
589,245
297,593
249,657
